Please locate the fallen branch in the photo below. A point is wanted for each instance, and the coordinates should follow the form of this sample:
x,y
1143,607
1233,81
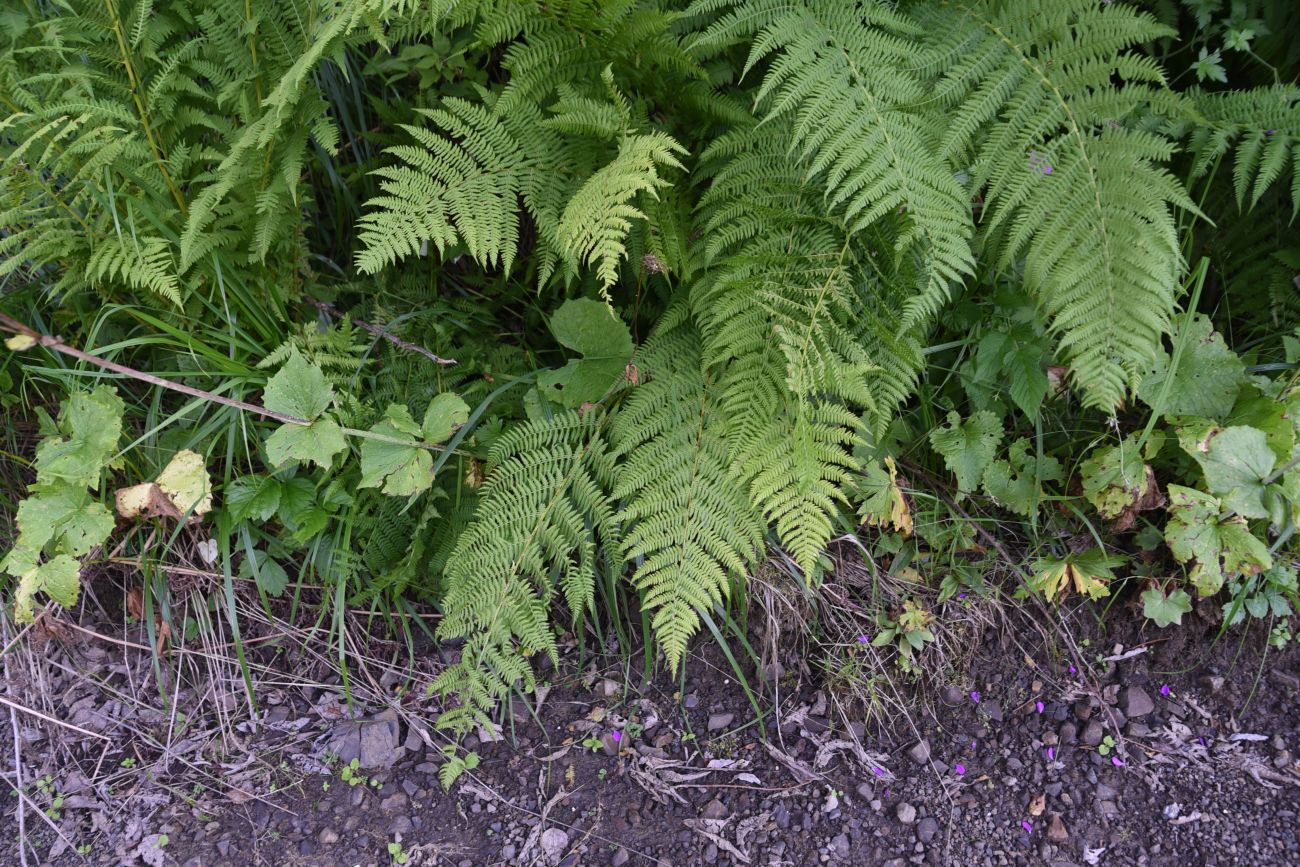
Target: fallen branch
x,y
330,310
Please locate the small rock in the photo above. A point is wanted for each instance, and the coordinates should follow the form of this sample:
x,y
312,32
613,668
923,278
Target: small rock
x,y
1056,831
1092,733
952,695
1135,702
1215,683
992,709
715,809
691,701
906,813
393,803
926,831
620,858
328,837
400,825
554,842
719,721
921,752
840,846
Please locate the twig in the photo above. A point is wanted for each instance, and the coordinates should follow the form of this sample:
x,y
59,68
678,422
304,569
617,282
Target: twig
x,y
13,705
330,310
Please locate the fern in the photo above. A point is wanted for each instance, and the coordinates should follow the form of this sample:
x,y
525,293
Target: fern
x,y
1070,187
543,511
690,528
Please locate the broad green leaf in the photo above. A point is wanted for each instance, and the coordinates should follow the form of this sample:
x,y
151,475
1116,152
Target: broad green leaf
x,y
68,520
318,442
588,327
968,446
398,417
403,470
1219,548
1119,484
1165,610
299,389
256,497
1235,466
185,481
1273,417
445,414
297,496
1089,572
90,424
59,577
1208,377
269,574
1028,375
1017,483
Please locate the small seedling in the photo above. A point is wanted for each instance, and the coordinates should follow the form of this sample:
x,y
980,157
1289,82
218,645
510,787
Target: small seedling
x,y
351,775
1107,744
396,854
128,763
602,773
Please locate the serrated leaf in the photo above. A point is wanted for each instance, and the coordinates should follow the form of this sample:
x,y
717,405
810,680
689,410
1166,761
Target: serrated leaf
x,y
968,447
1218,548
1235,464
1089,573
588,327
1165,610
269,574
403,470
1208,377
318,442
66,519
255,497
185,481
1273,417
90,424
1028,376
299,389
1017,483
59,578
445,414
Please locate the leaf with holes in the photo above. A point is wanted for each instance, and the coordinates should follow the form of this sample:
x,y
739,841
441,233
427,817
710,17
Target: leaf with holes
x,y
1208,377
590,328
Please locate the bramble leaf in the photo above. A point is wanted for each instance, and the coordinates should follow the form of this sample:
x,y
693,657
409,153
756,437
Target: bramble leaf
x,y
968,446
445,414
252,497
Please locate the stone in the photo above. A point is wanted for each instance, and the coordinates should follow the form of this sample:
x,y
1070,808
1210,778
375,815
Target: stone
x,y
1092,733
400,825
952,695
921,752
554,842
992,709
1056,831
715,809
328,837
840,846
1135,702
393,803
620,858
926,831
905,812
719,721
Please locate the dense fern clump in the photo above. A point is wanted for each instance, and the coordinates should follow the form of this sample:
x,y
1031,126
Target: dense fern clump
x,y
560,305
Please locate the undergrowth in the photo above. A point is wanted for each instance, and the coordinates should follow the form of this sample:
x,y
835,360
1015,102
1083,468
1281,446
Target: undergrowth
x,y
560,317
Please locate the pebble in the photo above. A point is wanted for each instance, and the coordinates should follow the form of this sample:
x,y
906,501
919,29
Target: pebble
x,y
1135,702
715,809
554,842
328,837
719,721
927,830
906,813
921,752
1092,733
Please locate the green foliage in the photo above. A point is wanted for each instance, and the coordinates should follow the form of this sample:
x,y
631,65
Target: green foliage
x,y
60,520
1089,572
968,447
1165,610
1215,546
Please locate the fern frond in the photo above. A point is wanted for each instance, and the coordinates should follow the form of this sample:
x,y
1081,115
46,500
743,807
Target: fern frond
x,y
543,512
690,525
1069,188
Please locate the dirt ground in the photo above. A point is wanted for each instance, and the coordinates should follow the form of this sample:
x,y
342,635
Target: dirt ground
x,y
1168,749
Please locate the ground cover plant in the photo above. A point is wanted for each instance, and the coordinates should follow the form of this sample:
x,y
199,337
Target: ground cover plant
x,y
559,320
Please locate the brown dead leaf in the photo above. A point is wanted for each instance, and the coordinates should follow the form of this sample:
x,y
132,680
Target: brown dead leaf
x,y
1056,830
1037,804
1149,497
144,501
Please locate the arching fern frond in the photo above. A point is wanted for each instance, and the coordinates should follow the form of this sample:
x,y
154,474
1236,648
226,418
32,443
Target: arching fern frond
x,y
542,514
690,526
1069,188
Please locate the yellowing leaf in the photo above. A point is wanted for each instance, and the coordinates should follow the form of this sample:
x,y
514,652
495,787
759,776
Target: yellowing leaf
x,y
185,481
1089,572
884,503
20,343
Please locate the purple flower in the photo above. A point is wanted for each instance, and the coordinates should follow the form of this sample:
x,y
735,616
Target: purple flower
x,y
961,595
616,735
1051,753
879,772
973,745
864,639
1029,829
975,696
1072,669
1117,761
959,768
1165,690
1038,706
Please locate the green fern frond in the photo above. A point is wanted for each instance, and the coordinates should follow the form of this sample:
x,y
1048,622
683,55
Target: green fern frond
x,y
690,526
543,512
1069,187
